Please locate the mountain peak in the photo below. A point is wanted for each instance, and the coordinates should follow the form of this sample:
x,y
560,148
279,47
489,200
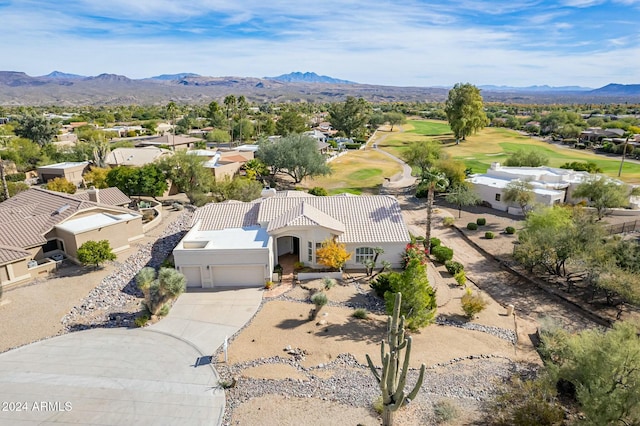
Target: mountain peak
x,y
308,77
60,74
169,77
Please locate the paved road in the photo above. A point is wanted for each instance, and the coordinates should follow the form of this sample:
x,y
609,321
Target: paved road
x,y
149,376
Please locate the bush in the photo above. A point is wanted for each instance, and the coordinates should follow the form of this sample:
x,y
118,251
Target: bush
x,y
318,191
413,251
453,267
489,235
352,145
481,221
442,253
510,230
142,320
328,283
434,242
381,284
17,177
448,221
422,191
360,313
472,304
164,311
298,266
461,278
268,285
445,411
378,405
319,299
471,226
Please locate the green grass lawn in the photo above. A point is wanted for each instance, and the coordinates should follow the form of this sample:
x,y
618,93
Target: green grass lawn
x,y
429,127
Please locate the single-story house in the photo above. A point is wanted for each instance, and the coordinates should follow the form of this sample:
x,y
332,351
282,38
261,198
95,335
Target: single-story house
x,y
40,227
223,164
136,157
71,171
550,185
170,140
238,244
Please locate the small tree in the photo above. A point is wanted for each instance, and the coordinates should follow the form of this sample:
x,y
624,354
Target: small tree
x,y
419,299
393,377
520,193
60,184
603,194
332,254
160,290
462,195
472,304
319,299
95,253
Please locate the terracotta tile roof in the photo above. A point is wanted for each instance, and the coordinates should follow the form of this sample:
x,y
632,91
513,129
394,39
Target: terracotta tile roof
x,y
219,216
304,215
11,254
112,196
366,219
26,217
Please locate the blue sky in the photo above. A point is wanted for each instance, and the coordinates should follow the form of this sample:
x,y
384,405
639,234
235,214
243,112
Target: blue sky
x,y
402,43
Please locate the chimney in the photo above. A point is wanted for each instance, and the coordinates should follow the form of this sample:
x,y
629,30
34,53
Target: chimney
x,y
495,166
268,192
94,194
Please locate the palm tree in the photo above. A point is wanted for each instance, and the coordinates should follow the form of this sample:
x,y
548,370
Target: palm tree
x,y
3,179
230,103
624,151
171,113
434,180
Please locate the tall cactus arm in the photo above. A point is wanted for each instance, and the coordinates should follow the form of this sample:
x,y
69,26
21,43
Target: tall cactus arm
x,y
418,385
403,373
373,368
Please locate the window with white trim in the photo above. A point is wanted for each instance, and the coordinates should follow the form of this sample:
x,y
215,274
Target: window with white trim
x,y
364,253
310,251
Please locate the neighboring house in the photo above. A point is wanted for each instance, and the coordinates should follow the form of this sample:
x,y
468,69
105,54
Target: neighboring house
x,y
71,171
596,134
223,164
136,157
550,185
238,244
170,140
111,196
40,227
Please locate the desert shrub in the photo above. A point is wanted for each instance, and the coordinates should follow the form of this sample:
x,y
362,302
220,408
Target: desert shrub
x,y
413,251
141,321
318,191
481,221
460,277
378,405
445,411
526,403
510,230
298,266
489,235
471,226
168,263
360,313
434,242
472,304
199,199
268,285
381,284
328,283
442,253
448,221
453,267
164,311
17,177
319,299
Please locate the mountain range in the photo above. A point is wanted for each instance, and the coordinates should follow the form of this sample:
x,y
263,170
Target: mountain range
x,y
60,88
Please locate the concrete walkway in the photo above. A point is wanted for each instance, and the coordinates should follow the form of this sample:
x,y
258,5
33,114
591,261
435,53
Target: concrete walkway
x,y
156,375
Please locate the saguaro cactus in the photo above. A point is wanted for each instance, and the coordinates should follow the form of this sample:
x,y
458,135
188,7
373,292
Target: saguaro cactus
x,y
393,377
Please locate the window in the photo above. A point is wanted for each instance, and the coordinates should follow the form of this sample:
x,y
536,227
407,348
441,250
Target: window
x,y
364,253
497,197
310,251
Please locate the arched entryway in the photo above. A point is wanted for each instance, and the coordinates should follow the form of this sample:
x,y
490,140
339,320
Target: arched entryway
x,y
288,249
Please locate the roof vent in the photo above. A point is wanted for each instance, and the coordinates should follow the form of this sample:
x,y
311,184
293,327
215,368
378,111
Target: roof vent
x,y
63,209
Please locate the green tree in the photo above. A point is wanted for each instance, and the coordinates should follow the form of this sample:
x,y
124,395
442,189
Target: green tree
x,y
60,184
527,158
95,253
126,179
465,110
12,188
603,194
602,367
395,118
37,128
161,290
237,188
219,136
215,115
151,180
462,195
256,169
290,122
423,156
351,116
519,192
187,173
294,155
418,298
96,177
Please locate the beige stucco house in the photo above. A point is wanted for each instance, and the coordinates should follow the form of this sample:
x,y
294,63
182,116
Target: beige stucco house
x,y
238,244
71,171
38,228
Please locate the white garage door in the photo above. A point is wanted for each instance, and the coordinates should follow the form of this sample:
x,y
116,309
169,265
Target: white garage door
x,y
193,275
238,275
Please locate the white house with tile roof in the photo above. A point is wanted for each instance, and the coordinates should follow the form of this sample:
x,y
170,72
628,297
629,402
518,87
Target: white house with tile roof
x,y
238,244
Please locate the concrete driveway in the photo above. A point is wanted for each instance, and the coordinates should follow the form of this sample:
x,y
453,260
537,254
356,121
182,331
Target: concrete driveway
x,y
128,376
